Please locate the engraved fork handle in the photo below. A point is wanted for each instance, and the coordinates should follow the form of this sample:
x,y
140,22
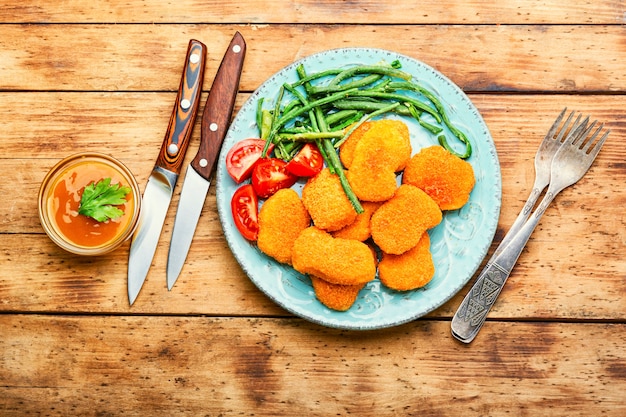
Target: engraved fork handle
x,y
472,313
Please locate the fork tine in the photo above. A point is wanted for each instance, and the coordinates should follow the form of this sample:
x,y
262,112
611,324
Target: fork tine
x,y
595,147
576,130
564,127
581,134
556,123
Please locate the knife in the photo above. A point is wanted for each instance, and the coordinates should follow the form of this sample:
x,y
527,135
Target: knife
x,y
158,193
216,118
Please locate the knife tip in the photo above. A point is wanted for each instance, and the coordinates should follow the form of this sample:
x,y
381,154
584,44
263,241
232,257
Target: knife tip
x,y
171,280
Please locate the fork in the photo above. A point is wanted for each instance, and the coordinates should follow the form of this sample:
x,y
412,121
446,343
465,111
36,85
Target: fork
x,y
543,161
570,162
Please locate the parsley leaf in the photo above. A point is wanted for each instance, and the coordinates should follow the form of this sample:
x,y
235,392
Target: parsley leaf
x,y
98,200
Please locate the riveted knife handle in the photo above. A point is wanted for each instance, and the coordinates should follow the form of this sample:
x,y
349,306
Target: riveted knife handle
x,y
183,116
218,109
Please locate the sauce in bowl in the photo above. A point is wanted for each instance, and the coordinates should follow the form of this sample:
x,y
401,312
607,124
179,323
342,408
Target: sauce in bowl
x,y
59,202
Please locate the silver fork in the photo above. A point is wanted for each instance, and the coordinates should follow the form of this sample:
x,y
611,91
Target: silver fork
x,y
569,164
543,161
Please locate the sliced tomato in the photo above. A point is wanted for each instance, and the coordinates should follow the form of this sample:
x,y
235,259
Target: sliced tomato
x,y
307,162
245,210
270,175
242,156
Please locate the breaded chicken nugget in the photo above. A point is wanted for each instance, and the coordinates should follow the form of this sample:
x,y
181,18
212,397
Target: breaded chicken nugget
x,y
445,177
336,260
395,135
371,174
335,296
413,269
359,229
399,223
281,219
346,151
395,138
324,198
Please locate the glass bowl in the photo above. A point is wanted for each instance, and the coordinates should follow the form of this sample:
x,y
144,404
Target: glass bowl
x,y
59,199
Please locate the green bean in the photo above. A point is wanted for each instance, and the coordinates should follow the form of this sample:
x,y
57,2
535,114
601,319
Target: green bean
x,y
369,105
328,151
310,136
268,140
347,122
370,69
383,110
310,106
333,159
435,130
332,88
259,114
266,123
315,76
326,107
339,116
444,117
398,97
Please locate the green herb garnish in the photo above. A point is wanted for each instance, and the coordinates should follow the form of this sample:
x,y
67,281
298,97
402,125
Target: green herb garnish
x,y
99,200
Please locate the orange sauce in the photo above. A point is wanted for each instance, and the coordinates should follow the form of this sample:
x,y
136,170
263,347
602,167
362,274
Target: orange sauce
x,y
65,198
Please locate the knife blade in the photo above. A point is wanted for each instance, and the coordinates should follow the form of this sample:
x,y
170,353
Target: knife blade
x,y
216,118
158,193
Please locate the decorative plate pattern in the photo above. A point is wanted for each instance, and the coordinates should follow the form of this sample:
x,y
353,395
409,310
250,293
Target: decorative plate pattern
x,y
458,243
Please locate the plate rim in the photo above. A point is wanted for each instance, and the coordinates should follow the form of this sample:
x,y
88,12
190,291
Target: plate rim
x,y
327,321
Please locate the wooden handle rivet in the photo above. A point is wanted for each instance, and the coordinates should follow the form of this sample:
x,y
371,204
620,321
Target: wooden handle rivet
x,y
203,163
194,58
213,127
236,49
185,104
172,149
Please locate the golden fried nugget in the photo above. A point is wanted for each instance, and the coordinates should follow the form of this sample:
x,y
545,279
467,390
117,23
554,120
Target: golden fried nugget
x,y
359,229
371,175
400,222
324,198
281,219
336,260
346,151
410,270
394,138
445,177
335,296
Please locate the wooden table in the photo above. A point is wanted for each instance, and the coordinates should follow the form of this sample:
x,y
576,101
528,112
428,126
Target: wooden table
x,y
102,76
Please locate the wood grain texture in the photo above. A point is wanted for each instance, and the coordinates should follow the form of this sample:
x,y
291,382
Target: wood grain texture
x,y
553,279
268,367
488,58
102,76
318,11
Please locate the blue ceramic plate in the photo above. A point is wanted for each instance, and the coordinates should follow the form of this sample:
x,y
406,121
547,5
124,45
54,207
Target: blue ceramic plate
x,y
458,243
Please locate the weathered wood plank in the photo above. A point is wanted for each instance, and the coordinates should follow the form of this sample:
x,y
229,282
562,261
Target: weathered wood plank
x,y
562,58
321,11
553,279
131,126
97,365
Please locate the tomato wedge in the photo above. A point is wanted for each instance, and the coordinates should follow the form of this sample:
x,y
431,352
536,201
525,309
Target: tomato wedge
x,y
270,175
307,162
245,210
242,156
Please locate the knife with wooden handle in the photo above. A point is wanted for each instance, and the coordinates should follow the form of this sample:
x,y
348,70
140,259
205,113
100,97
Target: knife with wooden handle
x,y
158,193
216,118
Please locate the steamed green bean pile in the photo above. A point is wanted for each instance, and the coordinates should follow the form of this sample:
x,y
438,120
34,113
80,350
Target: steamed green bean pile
x,y
326,107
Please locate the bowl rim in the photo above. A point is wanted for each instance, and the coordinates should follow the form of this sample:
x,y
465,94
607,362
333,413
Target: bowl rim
x,y
51,178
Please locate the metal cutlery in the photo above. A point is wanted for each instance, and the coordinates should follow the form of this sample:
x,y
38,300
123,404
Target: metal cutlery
x,y
569,160
158,193
215,121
